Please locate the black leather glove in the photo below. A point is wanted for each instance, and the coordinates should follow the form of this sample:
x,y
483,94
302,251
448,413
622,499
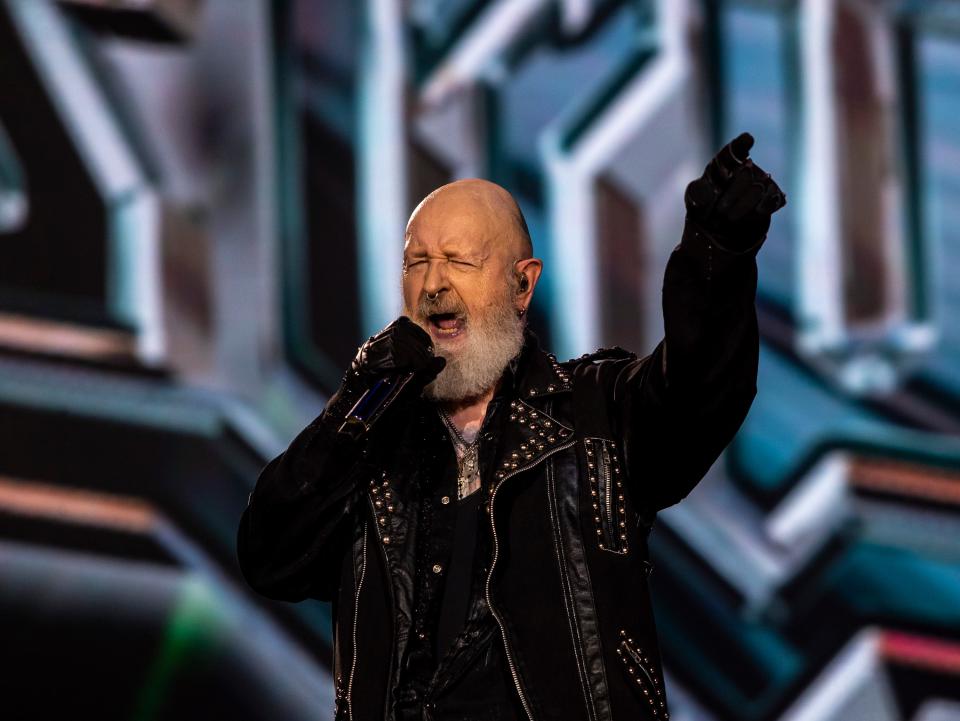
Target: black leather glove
x,y
734,198
400,348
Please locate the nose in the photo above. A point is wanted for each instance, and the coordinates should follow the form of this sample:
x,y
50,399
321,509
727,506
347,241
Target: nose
x,y
436,277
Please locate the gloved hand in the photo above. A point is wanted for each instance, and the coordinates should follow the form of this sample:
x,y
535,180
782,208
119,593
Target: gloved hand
x,y
734,198
400,348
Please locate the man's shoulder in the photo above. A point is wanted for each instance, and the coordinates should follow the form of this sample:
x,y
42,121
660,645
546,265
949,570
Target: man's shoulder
x,y
600,355
540,372
598,369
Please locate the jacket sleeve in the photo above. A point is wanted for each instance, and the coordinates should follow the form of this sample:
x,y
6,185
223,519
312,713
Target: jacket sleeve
x,y
297,524
679,407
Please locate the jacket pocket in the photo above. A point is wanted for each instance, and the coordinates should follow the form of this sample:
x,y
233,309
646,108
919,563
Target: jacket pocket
x,y
606,494
643,675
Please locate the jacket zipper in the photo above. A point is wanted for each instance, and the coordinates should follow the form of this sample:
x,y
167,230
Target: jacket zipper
x,y
636,659
356,611
393,601
393,616
493,563
657,701
609,527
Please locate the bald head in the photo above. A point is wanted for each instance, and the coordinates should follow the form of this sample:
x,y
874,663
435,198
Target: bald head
x,y
479,206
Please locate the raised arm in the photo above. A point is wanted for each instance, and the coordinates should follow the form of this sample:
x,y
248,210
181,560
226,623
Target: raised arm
x,y
297,525
680,406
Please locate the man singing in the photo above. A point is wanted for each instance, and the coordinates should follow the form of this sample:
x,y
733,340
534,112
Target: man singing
x,y
483,537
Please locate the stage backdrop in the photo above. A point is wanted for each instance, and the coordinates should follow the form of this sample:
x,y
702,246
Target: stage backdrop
x,y
202,206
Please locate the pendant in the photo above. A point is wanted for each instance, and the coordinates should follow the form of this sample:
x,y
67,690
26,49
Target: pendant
x,y
470,460
469,479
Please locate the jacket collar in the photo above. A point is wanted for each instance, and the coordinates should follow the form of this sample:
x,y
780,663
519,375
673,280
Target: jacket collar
x,y
534,372
531,433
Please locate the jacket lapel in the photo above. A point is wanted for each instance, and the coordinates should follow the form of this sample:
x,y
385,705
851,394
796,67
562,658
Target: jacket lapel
x,y
530,433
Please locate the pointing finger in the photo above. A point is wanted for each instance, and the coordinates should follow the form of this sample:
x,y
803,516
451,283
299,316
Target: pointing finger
x,y
740,146
731,157
729,160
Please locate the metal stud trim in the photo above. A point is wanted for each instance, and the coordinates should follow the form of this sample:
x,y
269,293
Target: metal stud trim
x,y
607,497
634,660
539,433
381,498
561,381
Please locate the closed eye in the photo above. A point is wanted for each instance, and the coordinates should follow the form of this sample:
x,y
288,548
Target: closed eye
x,y
455,261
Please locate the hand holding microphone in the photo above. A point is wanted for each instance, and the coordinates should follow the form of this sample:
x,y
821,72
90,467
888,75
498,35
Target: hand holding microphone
x,y
400,357
402,347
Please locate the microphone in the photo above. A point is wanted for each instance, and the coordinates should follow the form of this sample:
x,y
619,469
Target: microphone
x,y
372,403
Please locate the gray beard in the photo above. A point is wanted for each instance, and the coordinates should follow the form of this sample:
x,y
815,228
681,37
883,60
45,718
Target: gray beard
x,y
491,343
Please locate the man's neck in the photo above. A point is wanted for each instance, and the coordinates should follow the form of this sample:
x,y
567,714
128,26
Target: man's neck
x,y
468,414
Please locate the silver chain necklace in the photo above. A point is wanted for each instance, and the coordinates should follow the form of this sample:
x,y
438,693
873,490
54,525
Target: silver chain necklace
x,y
468,472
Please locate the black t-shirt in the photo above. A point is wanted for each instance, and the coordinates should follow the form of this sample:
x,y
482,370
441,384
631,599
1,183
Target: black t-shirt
x,y
456,592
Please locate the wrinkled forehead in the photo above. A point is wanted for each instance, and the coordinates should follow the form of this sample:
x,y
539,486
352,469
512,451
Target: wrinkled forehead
x,y
457,225
454,237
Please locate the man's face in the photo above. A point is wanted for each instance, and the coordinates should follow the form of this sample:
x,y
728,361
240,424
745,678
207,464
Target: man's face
x,y
451,256
456,250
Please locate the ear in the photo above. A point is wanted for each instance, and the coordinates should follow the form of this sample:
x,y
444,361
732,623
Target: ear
x,y
529,270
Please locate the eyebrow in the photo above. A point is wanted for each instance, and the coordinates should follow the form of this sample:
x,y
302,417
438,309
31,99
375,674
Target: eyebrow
x,y
420,253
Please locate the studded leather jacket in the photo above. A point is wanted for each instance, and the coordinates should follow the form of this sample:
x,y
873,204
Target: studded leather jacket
x,y
590,450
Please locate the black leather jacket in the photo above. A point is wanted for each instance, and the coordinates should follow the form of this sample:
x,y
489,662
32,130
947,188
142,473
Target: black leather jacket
x,y
590,450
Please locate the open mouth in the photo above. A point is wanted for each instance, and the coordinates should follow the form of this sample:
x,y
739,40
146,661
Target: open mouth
x,y
447,325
